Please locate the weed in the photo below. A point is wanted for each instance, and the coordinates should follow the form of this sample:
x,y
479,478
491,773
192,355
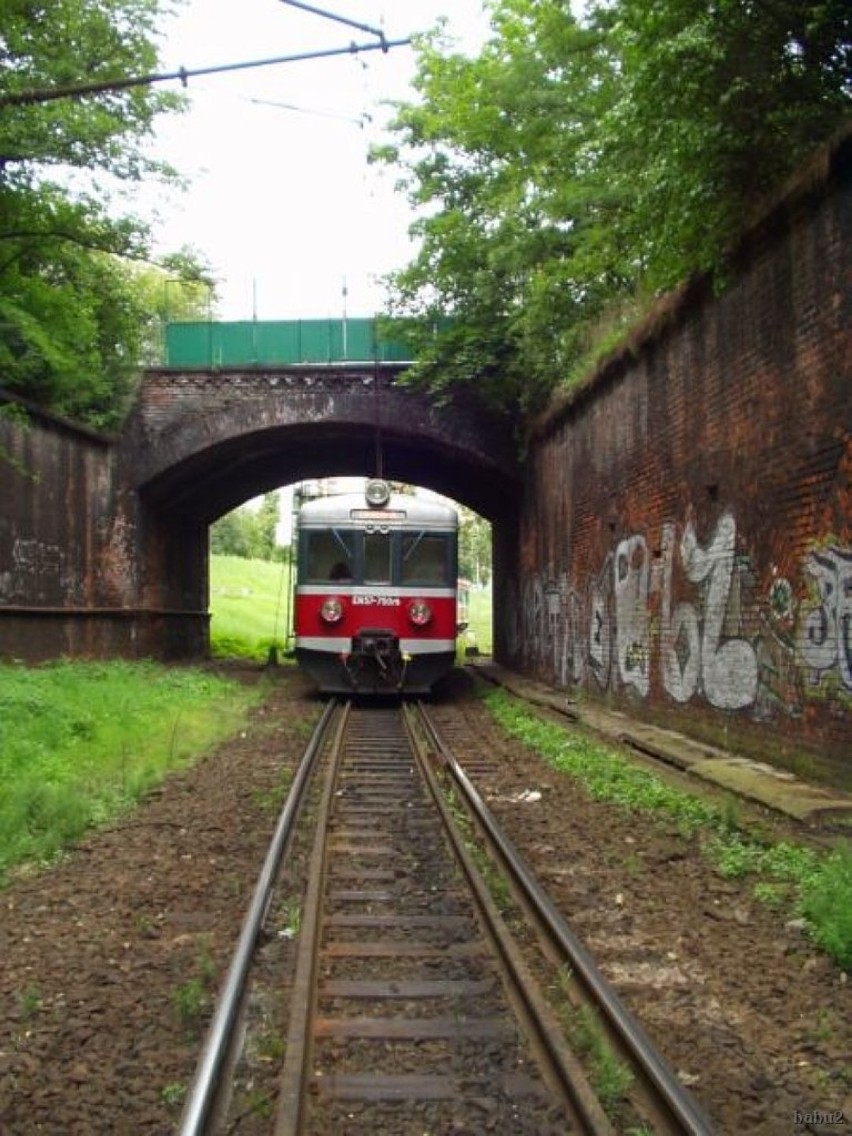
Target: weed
x,y
144,925
824,1026
173,1093
31,1001
826,903
272,799
205,962
610,1077
190,1001
493,878
633,864
775,896
259,1103
290,918
271,1047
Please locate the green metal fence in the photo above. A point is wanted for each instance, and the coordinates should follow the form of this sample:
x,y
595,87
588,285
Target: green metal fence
x,y
266,342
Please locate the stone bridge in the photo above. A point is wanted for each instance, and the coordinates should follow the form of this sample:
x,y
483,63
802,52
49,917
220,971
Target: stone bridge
x,y
203,442
104,542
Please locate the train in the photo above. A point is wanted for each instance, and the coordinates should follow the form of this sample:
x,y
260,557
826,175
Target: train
x,y
376,597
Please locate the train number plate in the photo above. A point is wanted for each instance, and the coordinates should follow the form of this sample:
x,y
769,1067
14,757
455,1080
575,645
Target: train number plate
x,y
376,601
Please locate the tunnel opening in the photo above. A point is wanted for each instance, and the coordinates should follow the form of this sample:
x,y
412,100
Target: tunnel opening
x,y
253,558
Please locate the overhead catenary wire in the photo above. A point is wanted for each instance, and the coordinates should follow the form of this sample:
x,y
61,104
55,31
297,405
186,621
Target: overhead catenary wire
x,y
183,74
337,18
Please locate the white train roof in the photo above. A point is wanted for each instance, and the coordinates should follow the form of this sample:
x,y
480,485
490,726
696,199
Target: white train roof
x,y
402,510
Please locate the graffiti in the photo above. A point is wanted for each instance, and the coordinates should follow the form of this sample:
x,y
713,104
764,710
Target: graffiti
x,y
572,653
680,648
677,616
632,623
727,669
600,629
825,634
609,639
36,571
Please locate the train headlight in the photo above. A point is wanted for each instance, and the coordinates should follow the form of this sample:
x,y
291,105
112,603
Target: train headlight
x,y
331,611
420,613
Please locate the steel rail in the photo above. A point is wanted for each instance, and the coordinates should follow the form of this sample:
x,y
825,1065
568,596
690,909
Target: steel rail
x,y
559,1064
204,1089
670,1096
291,1097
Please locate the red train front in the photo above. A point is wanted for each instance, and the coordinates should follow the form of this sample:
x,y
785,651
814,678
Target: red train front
x,y
376,591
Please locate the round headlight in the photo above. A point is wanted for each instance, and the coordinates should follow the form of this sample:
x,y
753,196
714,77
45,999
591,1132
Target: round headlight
x,y
419,613
331,611
377,492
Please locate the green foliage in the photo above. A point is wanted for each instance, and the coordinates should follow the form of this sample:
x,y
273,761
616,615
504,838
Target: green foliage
x,y
73,321
610,1077
821,887
474,547
191,1001
722,102
826,903
80,742
249,532
575,167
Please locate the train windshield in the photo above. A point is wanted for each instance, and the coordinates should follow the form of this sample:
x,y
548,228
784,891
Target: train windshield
x,y
425,558
410,558
330,555
378,560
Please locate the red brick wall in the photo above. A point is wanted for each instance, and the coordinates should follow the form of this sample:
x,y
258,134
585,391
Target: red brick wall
x,y
685,546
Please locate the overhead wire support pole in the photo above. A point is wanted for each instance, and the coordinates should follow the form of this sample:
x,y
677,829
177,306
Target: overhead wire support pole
x,y
27,98
338,19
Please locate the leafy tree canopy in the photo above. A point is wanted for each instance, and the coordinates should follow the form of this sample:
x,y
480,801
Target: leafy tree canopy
x,y
74,322
249,532
575,168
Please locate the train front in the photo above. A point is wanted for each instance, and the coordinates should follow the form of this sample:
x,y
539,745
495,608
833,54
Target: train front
x,y
376,591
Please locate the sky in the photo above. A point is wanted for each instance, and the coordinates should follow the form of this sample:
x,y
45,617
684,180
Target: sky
x,y
282,201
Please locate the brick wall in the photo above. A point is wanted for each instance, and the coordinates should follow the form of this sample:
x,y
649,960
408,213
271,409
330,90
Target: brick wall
x,y
685,546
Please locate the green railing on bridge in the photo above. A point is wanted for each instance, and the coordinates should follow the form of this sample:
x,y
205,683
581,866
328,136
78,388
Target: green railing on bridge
x,y
208,344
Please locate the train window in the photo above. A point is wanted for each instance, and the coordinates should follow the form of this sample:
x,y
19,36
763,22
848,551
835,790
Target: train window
x,y
377,558
425,558
329,555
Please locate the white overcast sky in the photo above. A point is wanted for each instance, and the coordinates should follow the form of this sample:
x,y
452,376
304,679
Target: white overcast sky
x,y
282,200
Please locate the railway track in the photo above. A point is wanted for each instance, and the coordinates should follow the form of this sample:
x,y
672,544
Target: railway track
x,y
413,1009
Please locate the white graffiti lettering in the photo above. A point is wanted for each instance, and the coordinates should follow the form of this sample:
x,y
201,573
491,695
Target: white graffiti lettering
x,y
825,635
632,624
680,643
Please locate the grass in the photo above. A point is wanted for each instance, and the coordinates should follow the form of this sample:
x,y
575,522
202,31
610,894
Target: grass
x,y
251,609
80,742
816,886
250,606
479,614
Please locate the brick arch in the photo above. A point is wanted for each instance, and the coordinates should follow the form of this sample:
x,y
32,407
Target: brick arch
x,y
198,443
205,441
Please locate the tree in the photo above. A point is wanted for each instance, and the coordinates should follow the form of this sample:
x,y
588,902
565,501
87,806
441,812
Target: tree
x,y
575,168
249,532
71,317
474,546
717,105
